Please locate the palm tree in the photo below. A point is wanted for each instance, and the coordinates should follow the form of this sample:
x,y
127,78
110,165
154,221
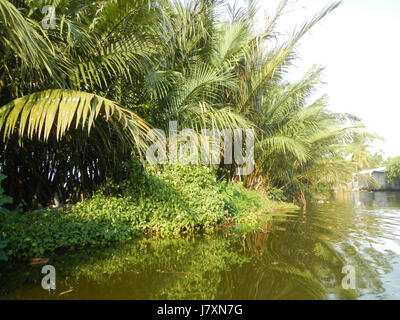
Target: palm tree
x,y
301,144
78,100
187,84
359,152
56,85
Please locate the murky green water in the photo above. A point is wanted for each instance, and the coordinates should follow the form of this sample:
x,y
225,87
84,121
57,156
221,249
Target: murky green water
x,y
295,256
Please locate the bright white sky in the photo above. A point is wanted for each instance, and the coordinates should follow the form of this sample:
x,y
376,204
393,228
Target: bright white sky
x,y
359,46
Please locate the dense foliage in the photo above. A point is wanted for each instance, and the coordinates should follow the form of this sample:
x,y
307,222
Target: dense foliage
x,y
77,101
393,168
172,199
4,199
80,97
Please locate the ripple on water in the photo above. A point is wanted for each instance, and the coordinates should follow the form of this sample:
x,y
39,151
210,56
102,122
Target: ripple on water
x,y
295,256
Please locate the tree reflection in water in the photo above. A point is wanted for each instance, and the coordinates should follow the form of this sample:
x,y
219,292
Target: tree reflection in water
x,y
292,256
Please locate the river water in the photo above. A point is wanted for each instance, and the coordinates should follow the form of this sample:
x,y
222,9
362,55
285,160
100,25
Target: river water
x,y
299,255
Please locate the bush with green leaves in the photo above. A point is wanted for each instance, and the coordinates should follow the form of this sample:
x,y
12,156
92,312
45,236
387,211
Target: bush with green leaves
x,y
276,194
4,199
170,200
44,232
246,205
175,198
393,168
167,200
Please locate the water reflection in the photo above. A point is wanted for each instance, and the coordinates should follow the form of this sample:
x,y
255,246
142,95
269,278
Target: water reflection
x,y
292,256
375,200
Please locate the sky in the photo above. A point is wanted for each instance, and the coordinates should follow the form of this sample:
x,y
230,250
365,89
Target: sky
x,y
359,46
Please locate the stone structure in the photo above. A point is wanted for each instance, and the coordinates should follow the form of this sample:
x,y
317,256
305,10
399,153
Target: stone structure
x,y
373,180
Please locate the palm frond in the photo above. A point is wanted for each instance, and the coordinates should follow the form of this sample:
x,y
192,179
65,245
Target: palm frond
x,y
284,145
25,39
41,113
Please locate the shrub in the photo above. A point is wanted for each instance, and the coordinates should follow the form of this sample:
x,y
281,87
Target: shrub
x,y
173,199
393,168
170,200
4,199
276,194
177,198
34,234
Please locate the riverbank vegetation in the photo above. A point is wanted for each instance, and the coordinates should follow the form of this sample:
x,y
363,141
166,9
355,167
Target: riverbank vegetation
x,y
176,199
78,100
393,168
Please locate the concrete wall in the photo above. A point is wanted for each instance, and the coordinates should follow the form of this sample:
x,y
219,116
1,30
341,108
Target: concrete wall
x,y
380,177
